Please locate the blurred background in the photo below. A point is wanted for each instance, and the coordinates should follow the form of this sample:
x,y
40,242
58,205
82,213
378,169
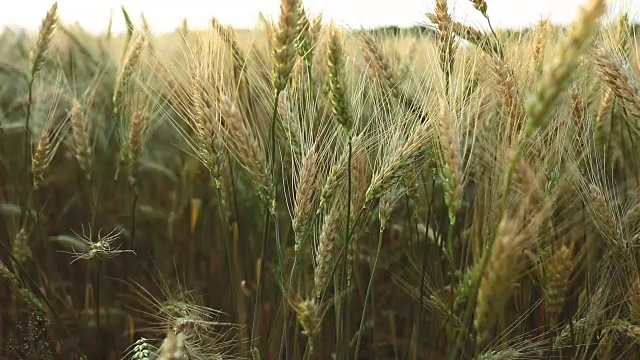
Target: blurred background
x,y
165,16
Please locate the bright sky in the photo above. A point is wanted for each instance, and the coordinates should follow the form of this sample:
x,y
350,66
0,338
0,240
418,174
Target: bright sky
x,y
166,15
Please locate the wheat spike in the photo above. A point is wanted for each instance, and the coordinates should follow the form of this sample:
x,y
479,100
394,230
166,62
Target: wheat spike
x,y
305,197
44,39
324,252
540,35
308,314
556,77
498,278
20,248
284,50
129,65
248,150
451,162
81,132
337,91
558,273
619,79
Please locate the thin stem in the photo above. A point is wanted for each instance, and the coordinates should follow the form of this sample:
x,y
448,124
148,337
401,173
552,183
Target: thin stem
x,y
27,148
369,287
344,322
228,249
256,312
485,259
134,205
424,258
495,36
97,307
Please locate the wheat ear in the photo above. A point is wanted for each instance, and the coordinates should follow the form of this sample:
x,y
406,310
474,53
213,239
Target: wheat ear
x,y
556,77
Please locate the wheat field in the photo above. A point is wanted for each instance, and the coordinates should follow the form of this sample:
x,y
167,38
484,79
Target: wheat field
x,y
304,191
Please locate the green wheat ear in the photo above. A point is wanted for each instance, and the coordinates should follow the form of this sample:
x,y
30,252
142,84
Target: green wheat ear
x,y
556,78
284,51
337,92
44,39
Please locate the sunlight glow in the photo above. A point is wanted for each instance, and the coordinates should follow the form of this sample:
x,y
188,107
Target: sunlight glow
x,y
167,15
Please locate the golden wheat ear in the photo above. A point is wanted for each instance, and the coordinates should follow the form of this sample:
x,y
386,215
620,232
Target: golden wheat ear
x,y
44,39
337,92
81,132
556,77
304,204
559,267
284,51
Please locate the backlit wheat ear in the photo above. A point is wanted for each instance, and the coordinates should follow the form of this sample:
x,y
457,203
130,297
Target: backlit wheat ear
x,y
480,5
508,89
380,65
44,39
623,35
604,110
20,248
525,177
184,30
230,40
447,27
139,121
309,316
558,271
207,128
47,143
556,77
127,68
337,90
397,164
622,327
541,33
601,211
620,79
109,35
446,43
337,174
451,166
305,197
247,150
128,24
442,17
284,51
316,28
477,38
324,252
81,132
625,82
46,148
498,278
148,33
388,203
305,40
